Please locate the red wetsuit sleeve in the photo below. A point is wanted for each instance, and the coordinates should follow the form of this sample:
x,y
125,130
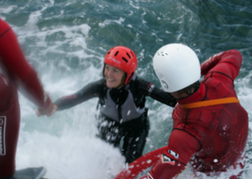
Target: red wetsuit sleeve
x,y
18,69
229,63
180,149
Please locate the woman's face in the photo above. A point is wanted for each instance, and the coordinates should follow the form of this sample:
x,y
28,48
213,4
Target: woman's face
x,y
113,76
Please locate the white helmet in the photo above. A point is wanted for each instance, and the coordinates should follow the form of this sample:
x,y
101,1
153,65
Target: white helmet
x,y
177,66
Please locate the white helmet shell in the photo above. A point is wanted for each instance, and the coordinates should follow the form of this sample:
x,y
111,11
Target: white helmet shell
x,y
177,66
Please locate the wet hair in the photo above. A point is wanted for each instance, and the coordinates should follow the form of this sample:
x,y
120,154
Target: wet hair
x,y
123,80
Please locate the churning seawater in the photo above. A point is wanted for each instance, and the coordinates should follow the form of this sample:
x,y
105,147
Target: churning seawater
x,y
66,41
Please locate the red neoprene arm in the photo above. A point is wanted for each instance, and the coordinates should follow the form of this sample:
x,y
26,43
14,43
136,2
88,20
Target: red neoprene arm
x,y
18,69
229,62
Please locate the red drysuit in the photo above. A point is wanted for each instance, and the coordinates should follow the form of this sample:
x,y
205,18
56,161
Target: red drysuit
x,y
212,137
15,73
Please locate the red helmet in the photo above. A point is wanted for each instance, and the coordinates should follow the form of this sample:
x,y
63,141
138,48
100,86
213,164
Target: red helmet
x,y
123,58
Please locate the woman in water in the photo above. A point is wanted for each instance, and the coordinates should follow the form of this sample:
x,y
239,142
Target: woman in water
x,y
121,94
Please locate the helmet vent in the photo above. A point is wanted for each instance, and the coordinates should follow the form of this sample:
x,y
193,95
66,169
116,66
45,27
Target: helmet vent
x,y
125,59
162,54
116,53
128,55
132,53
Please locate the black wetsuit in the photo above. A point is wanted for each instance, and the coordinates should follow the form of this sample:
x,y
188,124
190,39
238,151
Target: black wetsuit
x,y
126,102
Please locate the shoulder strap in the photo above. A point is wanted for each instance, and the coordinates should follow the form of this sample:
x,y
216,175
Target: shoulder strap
x,y
211,102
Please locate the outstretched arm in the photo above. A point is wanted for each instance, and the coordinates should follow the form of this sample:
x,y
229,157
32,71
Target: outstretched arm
x,y
19,70
89,91
228,62
176,155
151,90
